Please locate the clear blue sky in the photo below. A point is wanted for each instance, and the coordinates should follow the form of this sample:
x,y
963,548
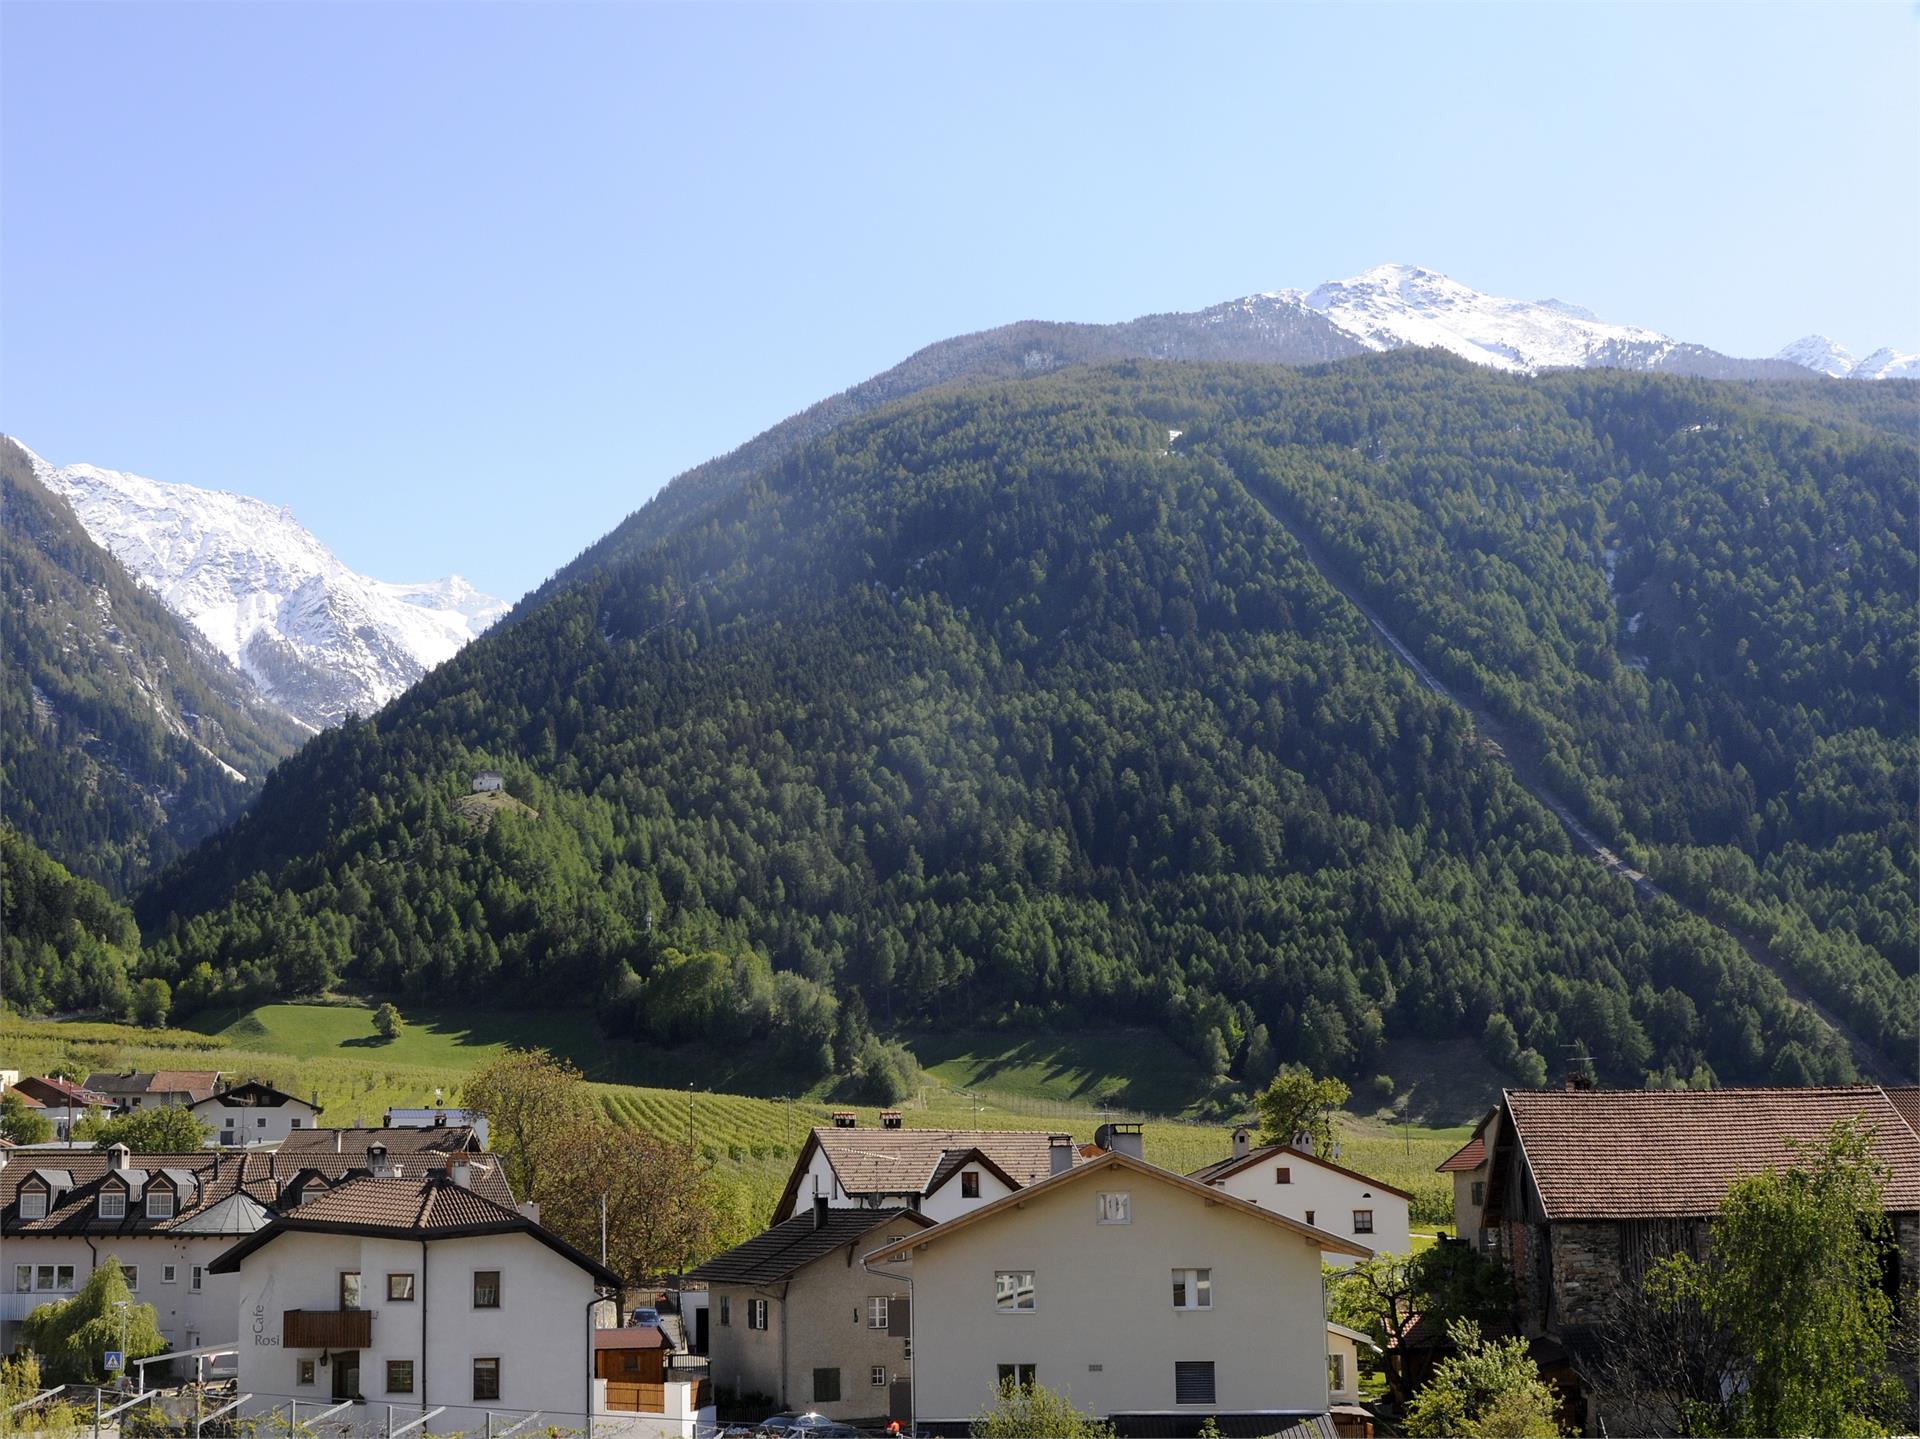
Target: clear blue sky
x,y
463,285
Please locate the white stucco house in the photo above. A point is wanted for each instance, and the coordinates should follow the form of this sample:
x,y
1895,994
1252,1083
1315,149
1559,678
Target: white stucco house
x,y
1468,1166
419,1293
1151,1299
254,1113
939,1173
1291,1180
62,1101
150,1089
166,1218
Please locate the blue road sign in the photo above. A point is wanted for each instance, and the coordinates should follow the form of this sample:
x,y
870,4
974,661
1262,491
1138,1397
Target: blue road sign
x,y
116,1361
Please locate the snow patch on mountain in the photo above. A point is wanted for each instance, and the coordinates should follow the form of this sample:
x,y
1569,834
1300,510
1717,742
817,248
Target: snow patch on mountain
x,y
1823,356
318,639
1393,306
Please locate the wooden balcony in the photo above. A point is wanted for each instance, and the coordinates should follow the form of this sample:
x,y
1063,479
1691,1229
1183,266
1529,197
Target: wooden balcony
x,y
327,1329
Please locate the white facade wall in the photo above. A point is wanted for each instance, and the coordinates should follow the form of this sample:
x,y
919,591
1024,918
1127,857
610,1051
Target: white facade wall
x,y
1329,1196
1103,1327
949,1201
187,1316
539,1333
236,1124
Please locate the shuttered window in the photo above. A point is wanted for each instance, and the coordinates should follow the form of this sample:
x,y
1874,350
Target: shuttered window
x,y
1193,1381
826,1386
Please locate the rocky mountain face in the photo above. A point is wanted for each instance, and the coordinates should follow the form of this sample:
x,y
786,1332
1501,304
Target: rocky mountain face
x,y
319,640
1823,356
129,737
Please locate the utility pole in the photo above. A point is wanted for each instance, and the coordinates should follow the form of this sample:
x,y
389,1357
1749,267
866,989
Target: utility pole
x,y
689,1121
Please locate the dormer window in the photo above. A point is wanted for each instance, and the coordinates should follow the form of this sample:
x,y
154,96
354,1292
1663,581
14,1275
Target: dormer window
x,y
33,1204
159,1204
969,1184
113,1204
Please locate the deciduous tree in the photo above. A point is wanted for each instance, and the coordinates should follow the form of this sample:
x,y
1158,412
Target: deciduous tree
x,y
1297,1104
1487,1388
529,1099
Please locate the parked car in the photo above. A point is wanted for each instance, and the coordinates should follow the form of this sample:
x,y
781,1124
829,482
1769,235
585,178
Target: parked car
x,y
644,1319
811,1425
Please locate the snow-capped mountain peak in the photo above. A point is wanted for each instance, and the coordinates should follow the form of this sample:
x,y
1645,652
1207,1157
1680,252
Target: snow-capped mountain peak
x,y
1392,306
1817,352
318,639
1887,364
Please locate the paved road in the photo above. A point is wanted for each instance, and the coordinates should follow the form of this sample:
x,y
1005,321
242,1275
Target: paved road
x,y
1870,1061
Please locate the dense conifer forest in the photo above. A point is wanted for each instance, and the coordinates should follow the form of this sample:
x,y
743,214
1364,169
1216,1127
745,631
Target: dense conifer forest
x,y
1005,704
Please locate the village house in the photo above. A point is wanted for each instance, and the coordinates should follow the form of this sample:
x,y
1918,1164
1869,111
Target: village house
x,y
1468,1168
1153,1300
420,1293
139,1090
1292,1180
438,1117
165,1217
397,1140
794,1319
1587,1188
254,1113
62,1101
936,1172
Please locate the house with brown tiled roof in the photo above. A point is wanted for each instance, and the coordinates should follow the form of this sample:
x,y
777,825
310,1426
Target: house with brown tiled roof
x,y
1291,1179
778,1310
420,1292
166,1218
1588,1188
936,1172
63,1101
255,1113
137,1089
1467,1167
399,1139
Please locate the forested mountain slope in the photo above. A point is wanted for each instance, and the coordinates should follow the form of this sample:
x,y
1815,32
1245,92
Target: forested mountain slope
x,y
64,943
996,702
128,737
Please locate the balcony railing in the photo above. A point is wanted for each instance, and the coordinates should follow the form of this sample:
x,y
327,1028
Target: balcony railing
x,y
327,1329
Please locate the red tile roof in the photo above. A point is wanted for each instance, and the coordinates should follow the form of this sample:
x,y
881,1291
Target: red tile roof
x,y
1907,1102
1221,1168
1637,1154
881,1162
1468,1156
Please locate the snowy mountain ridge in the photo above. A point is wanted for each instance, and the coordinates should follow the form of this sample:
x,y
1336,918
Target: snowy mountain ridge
x,y
1391,307
317,639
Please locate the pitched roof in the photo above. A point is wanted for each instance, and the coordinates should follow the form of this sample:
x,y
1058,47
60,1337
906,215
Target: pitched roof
x,y
1907,1102
789,1247
631,1336
204,1179
196,1083
399,1139
429,1206
1112,1159
1634,1154
56,1090
254,1095
1221,1168
1467,1157
907,1161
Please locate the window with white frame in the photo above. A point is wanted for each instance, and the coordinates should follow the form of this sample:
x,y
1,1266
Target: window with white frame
x,y
1016,1374
113,1204
169,1273
1193,1289
1116,1207
756,1314
198,1277
1363,1221
33,1204
131,1273
877,1311
1013,1291
159,1204
22,1278
877,1376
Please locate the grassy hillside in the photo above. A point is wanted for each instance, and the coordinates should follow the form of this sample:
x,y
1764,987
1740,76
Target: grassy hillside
x,y
751,1142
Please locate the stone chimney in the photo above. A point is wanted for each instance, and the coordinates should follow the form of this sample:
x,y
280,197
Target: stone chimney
x,y
1242,1141
1059,1153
